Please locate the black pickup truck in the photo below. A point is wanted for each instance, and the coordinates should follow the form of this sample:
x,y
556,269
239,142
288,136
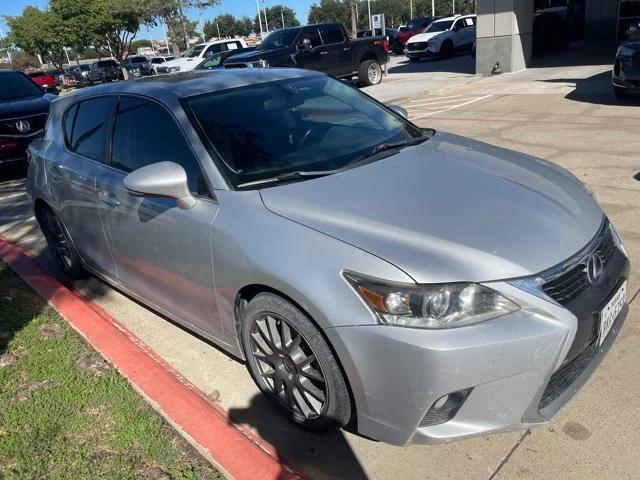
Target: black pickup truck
x,y
325,47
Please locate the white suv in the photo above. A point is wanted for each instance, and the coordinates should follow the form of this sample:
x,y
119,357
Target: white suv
x,y
443,37
197,53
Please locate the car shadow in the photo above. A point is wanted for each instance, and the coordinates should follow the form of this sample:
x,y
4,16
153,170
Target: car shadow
x,y
463,63
596,89
319,455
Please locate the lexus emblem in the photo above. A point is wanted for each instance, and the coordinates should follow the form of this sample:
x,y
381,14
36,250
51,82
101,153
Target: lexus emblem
x,y
595,268
23,126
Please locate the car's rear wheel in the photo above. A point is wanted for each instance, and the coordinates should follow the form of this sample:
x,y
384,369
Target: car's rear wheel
x,y
446,49
369,73
60,245
292,364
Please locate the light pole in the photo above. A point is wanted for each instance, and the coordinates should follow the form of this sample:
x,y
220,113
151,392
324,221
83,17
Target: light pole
x,y
166,40
266,21
433,8
282,17
8,49
204,37
218,27
260,19
410,9
369,13
453,6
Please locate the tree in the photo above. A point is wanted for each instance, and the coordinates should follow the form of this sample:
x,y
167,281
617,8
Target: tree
x,y
275,16
38,32
330,11
245,26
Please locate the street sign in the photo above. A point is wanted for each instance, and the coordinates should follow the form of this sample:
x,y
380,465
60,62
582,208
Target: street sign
x,y
377,21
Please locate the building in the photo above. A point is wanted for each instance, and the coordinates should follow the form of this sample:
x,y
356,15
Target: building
x,y
505,27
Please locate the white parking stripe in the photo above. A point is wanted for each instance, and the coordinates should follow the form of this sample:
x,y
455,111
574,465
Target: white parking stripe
x,y
437,102
427,98
450,107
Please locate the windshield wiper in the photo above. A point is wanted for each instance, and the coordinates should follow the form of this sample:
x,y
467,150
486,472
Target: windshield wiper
x,y
383,147
286,177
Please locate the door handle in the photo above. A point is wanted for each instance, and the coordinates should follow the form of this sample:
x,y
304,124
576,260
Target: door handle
x,y
108,198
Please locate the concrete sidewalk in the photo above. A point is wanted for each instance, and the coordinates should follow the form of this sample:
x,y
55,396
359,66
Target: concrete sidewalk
x,y
577,124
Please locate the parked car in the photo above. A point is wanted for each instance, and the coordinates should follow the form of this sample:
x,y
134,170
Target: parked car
x,y
196,54
390,33
626,69
414,27
160,60
105,71
427,286
44,80
138,66
325,47
58,75
24,107
444,37
216,61
79,75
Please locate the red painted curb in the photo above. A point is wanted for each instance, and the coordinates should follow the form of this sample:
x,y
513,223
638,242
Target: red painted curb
x,y
234,449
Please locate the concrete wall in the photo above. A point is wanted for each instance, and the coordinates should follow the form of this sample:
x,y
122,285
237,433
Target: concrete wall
x,y
503,34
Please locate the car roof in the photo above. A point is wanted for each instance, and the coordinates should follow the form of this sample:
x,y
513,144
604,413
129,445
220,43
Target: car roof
x,y
454,17
187,84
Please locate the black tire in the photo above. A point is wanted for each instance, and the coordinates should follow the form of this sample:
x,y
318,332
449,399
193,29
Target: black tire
x,y
60,245
446,49
365,73
620,92
298,373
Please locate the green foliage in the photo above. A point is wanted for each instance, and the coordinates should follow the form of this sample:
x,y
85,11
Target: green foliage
x,y
229,26
275,16
59,420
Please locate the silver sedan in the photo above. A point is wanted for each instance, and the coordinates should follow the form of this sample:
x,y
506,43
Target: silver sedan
x,y
425,286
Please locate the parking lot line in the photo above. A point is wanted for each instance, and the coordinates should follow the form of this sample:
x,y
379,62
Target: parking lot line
x,y
423,99
234,449
446,109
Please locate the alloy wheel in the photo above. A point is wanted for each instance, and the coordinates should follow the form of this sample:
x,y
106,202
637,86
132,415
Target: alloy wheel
x,y
374,72
288,367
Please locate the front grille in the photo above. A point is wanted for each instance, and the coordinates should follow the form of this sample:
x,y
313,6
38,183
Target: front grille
x,y
566,375
417,46
572,281
36,123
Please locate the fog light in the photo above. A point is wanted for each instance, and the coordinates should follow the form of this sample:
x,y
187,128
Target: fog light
x,y
445,408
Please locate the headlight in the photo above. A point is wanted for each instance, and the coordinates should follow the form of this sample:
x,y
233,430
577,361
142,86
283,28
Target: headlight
x,y
430,306
616,239
174,69
260,64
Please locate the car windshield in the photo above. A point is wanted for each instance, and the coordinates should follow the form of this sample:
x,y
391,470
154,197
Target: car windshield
x,y
157,60
305,124
138,60
280,39
194,51
16,85
439,26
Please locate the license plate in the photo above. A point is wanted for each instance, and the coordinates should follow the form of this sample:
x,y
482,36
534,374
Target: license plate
x,y
611,311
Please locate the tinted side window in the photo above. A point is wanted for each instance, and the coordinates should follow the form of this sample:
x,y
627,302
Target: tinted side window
x,y
69,120
313,35
215,49
331,34
89,128
157,138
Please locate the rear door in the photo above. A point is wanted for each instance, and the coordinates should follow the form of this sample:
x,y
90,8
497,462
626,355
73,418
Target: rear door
x,y
72,168
337,55
465,33
163,253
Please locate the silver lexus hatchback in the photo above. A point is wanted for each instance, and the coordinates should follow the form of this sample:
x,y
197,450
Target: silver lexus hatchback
x,y
419,285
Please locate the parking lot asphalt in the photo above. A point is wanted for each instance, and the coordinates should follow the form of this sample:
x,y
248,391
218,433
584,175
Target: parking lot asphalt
x,y
568,116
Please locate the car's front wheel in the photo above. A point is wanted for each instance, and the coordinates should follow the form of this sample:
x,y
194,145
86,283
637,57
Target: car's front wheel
x,y
60,245
292,364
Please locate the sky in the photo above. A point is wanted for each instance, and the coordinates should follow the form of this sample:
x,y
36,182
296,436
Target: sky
x,y
235,7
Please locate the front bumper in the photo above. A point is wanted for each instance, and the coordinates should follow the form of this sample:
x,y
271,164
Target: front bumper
x,y
429,50
14,149
627,75
397,374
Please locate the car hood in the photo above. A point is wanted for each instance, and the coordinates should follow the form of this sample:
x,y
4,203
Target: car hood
x,y
181,61
254,55
450,209
25,106
424,37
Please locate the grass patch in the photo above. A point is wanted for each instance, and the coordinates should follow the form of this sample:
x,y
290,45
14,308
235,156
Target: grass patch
x,y
66,414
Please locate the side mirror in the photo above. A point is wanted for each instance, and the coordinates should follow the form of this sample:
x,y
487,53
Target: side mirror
x,y
162,179
399,110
